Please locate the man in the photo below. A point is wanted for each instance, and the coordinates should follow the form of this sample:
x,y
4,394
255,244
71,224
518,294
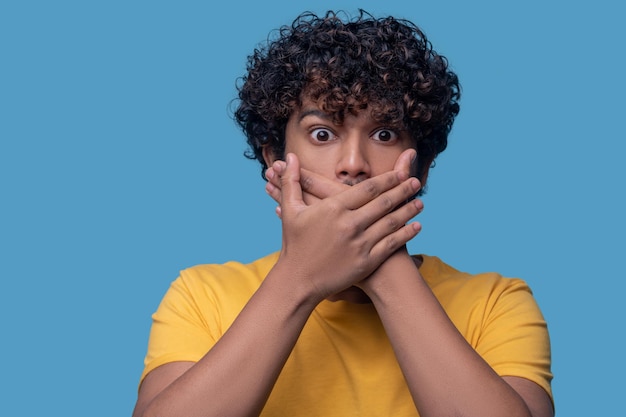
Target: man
x,y
346,116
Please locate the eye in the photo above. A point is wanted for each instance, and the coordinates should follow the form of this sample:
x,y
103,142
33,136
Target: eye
x,y
385,135
322,135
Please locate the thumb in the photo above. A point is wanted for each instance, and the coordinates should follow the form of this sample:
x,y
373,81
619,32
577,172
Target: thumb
x,y
405,161
290,182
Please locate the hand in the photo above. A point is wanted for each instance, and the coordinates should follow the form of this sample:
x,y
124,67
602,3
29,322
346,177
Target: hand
x,y
336,241
317,187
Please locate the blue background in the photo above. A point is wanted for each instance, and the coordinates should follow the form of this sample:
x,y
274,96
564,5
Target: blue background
x,y
120,165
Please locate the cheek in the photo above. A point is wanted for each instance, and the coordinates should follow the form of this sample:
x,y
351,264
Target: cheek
x,y
316,163
311,158
384,163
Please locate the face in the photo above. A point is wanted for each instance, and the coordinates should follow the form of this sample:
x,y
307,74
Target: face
x,y
357,149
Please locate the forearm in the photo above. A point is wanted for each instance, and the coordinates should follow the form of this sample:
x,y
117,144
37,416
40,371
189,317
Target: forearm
x,y
237,375
444,373
327,247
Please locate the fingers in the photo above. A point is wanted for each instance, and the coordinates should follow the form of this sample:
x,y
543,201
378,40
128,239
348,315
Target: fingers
x,y
319,186
394,241
395,220
272,189
392,232
373,192
396,196
351,230
315,187
273,186
373,188
405,161
290,190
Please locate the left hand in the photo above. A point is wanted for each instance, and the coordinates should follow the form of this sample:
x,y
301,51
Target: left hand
x,y
317,187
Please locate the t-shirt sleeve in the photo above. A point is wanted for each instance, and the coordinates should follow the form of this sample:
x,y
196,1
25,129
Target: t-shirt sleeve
x,y
515,340
181,330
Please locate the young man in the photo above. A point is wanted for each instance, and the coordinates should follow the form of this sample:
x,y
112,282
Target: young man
x,y
346,117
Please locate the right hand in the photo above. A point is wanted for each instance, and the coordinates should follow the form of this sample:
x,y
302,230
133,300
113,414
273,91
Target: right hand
x,y
316,187
338,241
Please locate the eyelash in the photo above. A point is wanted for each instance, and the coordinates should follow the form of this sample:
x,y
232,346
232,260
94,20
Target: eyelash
x,y
394,135
314,133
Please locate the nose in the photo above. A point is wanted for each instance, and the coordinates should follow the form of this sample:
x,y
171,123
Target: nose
x,y
353,163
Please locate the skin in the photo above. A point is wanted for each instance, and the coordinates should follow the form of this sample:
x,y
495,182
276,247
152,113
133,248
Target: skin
x,y
320,181
236,376
343,192
340,153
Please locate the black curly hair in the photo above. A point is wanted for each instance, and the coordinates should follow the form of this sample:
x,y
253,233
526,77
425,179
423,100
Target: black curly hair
x,y
386,65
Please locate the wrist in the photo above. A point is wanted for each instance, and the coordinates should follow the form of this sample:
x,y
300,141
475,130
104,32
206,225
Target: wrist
x,y
293,284
397,267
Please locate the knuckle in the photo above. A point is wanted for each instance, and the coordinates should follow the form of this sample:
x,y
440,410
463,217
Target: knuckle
x,y
391,243
393,223
408,190
306,183
386,203
370,188
390,180
408,211
333,207
348,226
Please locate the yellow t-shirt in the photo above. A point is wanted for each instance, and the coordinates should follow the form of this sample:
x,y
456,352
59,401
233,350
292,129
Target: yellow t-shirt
x,y
343,364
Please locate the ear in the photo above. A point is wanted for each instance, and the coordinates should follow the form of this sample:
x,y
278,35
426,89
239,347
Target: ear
x,y
268,156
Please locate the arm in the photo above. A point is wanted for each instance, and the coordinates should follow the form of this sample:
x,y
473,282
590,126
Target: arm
x,y
237,375
427,344
435,358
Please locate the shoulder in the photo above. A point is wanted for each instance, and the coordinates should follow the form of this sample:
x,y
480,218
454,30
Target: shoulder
x,y
479,299
204,287
498,316
445,279
486,304
228,274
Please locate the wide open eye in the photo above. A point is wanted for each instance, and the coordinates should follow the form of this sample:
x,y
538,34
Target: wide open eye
x,y
322,135
385,135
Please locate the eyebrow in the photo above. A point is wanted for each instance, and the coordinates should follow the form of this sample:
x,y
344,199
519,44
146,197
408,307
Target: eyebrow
x,y
313,112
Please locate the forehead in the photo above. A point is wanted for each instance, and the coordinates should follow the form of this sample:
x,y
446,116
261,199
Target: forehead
x,y
338,112
313,113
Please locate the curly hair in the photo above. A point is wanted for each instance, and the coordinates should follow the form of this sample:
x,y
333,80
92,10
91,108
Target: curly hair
x,y
386,65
